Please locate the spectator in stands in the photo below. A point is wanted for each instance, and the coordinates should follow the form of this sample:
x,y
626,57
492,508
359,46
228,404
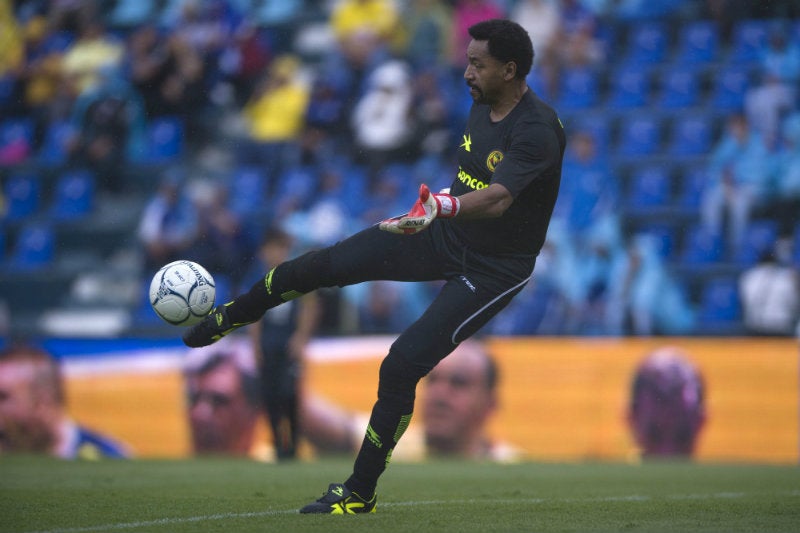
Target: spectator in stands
x,y
770,296
47,97
33,411
169,223
383,119
275,117
429,26
643,297
458,399
279,341
170,75
593,191
360,25
222,244
740,167
94,51
108,125
224,402
785,204
667,404
768,103
465,14
542,20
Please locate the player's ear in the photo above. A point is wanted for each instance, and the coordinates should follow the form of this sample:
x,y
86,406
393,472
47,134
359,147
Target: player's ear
x,y
510,71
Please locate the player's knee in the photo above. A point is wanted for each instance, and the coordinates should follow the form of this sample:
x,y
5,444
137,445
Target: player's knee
x,y
398,380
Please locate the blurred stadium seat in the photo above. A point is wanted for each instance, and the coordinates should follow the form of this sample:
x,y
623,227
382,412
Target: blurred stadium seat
x,y
16,140
729,87
700,247
34,248
679,88
73,195
720,308
579,89
748,40
53,151
691,135
647,43
694,179
698,43
22,193
165,139
629,87
759,237
247,190
640,135
650,186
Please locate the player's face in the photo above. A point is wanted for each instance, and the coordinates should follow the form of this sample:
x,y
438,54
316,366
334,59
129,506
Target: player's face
x,y
23,426
218,411
456,401
484,74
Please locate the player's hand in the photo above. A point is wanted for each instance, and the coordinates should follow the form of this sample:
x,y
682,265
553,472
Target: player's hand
x,y
427,207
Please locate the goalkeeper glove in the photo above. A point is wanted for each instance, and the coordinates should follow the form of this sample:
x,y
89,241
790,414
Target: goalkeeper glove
x,y
424,210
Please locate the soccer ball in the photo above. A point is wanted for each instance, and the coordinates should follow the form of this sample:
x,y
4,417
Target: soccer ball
x,y
182,293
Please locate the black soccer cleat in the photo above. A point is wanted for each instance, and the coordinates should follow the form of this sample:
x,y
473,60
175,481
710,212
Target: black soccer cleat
x,y
340,500
213,327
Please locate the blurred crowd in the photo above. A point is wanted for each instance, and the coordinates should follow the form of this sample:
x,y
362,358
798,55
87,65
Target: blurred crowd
x,y
324,116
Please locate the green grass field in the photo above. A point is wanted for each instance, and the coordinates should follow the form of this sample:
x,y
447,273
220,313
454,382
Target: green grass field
x,y
231,496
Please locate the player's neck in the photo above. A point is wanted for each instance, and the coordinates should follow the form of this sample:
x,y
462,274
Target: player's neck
x,y
509,101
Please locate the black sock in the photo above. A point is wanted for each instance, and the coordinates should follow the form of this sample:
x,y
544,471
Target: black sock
x,y
383,434
285,282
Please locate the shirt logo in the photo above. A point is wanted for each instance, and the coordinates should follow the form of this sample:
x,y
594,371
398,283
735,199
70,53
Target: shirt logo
x,y
467,144
494,159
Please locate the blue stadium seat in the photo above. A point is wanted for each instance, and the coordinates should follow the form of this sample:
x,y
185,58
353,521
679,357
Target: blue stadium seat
x,y
16,135
729,87
73,195
22,193
630,87
640,135
679,88
796,245
698,43
650,186
694,180
165,136
700,247
247,190
691,136
579,89
647,43
760,237
34,248
598,125
719,303
53,151
664,236
748,40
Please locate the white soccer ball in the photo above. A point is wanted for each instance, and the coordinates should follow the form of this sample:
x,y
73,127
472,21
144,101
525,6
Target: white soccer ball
x,y
182,293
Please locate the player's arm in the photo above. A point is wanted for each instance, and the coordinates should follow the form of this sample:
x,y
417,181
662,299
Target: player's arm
x,y
486,203
490,202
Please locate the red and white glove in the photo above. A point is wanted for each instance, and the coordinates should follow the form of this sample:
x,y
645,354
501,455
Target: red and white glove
x,y
424,210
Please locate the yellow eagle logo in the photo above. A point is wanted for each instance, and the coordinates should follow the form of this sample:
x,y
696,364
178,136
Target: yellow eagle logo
x,y
494,159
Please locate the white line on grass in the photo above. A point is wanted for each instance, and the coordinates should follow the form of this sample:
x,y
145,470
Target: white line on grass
x,y
509,501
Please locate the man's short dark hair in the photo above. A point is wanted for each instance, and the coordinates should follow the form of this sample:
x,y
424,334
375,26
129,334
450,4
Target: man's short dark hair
x,y
508,41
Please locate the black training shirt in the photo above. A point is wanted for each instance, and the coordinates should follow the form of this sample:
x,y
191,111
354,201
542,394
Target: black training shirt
x,y
522,152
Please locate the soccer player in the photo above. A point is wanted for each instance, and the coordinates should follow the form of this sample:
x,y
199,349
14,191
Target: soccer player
x,y
481,238
33,414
